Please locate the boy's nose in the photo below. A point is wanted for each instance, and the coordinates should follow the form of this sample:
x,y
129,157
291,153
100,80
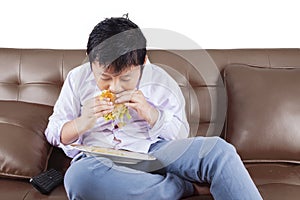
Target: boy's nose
x,y
114,88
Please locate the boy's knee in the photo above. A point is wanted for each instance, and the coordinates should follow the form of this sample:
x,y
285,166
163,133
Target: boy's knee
x,y
219,148
225,146
74,181
80,178
226,152
216,145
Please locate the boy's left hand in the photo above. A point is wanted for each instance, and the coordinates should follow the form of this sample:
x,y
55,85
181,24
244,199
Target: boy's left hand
x,y
136,100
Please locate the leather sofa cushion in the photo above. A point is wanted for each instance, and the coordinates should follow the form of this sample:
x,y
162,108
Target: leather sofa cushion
x,y
276,181
263,117
24,151
21,189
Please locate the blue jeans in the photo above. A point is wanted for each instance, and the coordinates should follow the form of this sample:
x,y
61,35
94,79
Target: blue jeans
x,y
179,164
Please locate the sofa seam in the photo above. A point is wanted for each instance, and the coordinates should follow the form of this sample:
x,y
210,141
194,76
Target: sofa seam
x,y
20,126
268,54
24,198
15,124
277,183
8,175
19,75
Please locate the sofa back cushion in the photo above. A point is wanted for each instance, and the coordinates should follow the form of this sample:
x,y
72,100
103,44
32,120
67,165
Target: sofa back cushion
x,y
35,75
24,151
263,117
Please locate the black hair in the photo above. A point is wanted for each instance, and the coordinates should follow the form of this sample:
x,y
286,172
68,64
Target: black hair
x,y
117,43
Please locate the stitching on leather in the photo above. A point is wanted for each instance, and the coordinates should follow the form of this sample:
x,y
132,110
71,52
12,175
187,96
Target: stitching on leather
x,y
19,75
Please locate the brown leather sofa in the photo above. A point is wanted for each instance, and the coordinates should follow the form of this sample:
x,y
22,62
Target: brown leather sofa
x,y
250,97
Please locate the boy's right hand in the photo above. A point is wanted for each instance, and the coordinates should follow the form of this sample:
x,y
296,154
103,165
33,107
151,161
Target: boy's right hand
x,y
92,110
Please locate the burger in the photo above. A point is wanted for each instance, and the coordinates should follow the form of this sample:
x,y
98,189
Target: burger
x,y
119,111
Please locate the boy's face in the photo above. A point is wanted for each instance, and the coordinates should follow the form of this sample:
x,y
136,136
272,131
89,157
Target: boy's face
x,y
107,79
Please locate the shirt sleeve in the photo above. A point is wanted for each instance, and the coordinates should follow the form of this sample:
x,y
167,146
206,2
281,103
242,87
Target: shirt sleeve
x,y
171,123
66,108
164,93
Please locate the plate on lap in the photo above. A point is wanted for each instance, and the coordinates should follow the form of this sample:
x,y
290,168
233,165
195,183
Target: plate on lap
x,y
117,156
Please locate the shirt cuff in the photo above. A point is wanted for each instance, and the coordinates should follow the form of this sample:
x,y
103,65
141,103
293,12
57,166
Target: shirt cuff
x,y
163,118
68,149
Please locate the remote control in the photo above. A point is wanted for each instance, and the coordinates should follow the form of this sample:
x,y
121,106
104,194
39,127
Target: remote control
x,y
47,181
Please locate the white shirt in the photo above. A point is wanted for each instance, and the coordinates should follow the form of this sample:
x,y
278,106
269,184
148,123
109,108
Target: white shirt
x,y
159,89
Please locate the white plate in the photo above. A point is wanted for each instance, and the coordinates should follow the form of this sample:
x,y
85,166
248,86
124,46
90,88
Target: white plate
x,y
117,156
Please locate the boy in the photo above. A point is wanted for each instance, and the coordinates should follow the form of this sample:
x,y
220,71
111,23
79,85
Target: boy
x,y
158,125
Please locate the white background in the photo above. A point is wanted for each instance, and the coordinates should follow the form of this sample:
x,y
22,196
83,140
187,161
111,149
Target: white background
x,y
212,24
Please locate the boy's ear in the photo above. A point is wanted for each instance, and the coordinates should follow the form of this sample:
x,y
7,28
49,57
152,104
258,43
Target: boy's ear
x,y
146,58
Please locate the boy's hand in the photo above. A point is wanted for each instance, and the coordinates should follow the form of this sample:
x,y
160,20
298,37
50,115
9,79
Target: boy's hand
x,y
92,110
136,100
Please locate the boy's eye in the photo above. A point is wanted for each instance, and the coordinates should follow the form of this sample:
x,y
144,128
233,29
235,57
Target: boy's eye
x,y
105,78
125,78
